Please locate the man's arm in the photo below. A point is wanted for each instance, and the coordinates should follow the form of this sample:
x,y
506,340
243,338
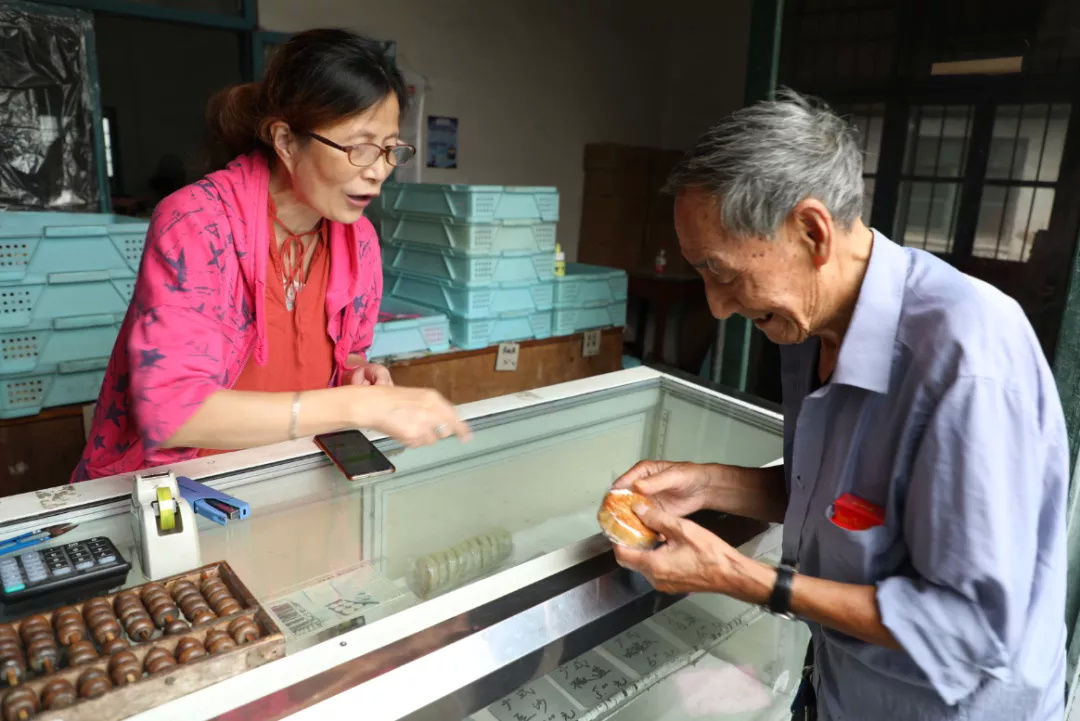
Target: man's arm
x,y
758,493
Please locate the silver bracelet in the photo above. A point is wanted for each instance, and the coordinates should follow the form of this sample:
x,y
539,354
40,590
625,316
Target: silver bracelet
x,y
294,417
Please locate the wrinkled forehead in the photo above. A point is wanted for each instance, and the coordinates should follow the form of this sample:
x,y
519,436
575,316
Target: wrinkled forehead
x,y
698,222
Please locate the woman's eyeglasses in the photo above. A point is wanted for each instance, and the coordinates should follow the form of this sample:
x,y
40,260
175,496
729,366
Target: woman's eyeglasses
x,y
363,155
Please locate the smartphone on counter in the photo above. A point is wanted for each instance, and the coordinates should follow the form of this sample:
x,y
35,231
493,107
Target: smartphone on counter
x,y
354,455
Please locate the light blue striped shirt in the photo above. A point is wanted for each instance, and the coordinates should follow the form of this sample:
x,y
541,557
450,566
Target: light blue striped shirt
x,y
943,410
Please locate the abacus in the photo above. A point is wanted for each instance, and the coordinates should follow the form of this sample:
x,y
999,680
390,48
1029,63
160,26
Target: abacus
x,y
116,655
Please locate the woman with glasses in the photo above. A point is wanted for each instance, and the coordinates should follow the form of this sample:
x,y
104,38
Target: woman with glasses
x,y
260,284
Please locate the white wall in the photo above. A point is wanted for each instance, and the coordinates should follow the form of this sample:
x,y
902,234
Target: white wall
x,y
533,81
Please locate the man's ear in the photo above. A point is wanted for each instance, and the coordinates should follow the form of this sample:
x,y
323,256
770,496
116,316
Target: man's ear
x,y
813,225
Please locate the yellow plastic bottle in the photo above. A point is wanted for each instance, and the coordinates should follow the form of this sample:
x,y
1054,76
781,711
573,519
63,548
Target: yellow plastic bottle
x,y
560,261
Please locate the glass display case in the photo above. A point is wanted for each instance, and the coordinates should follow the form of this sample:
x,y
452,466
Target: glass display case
x,y
473,582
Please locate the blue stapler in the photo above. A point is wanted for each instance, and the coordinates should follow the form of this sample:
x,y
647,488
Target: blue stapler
x,y
217,506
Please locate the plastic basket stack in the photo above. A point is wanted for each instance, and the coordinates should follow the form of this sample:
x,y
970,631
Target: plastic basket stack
x,y
481,255
65,283
588,296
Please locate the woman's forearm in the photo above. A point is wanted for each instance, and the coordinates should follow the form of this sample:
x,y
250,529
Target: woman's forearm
x,y
229,419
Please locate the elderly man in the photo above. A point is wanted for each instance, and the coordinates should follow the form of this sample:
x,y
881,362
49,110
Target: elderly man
x,y
925,458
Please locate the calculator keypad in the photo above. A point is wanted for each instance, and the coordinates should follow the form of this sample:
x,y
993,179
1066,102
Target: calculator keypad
x,y
34,567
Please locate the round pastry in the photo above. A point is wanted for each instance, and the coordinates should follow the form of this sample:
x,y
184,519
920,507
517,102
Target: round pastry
x,y
619,522
93,683
124,668
58,693
20,704
158,659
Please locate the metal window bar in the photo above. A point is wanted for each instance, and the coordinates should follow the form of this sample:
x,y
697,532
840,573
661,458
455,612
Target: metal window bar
x,y
933,186
965,146
1008,188
1034,191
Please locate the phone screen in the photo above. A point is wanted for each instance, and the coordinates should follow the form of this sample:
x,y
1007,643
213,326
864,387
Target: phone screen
x,y
354,454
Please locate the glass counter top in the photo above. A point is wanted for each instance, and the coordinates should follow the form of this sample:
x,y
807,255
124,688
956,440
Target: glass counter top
x,y
325,555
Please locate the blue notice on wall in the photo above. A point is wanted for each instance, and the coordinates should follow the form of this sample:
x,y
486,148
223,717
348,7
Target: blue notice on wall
x,y
442,142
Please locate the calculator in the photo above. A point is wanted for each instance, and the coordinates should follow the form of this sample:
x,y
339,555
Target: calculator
x,y
38,579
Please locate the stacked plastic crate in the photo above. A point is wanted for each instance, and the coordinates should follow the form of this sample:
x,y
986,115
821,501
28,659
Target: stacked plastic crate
x,y
483,255
65,283
589,296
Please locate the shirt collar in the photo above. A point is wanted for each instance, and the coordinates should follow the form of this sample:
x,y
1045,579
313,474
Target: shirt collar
x,y
866,353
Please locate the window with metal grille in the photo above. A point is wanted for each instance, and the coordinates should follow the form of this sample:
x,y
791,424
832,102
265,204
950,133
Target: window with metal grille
x,y
868,119
1023,161
931,177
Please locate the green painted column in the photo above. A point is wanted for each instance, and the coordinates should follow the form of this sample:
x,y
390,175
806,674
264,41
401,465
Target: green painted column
x,y
1067,373
762,69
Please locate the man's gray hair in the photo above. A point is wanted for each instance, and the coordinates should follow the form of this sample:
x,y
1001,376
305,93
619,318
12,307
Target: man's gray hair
x,y
762,160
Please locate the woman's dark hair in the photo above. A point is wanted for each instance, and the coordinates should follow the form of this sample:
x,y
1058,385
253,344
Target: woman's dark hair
x,y
316,78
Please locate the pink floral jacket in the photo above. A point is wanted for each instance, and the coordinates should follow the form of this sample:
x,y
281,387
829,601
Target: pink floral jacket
x,y
197,314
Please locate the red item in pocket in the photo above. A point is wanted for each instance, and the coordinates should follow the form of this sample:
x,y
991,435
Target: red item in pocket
x,y
855,514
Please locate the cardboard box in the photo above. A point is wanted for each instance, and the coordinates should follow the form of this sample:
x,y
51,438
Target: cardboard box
x,y
613,156
622,183
613,209
616,245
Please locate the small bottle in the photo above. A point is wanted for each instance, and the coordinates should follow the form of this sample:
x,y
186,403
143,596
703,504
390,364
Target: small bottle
x,y
661,262
560,261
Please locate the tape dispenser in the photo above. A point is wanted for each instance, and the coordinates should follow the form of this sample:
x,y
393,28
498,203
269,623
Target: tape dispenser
x,y
165,526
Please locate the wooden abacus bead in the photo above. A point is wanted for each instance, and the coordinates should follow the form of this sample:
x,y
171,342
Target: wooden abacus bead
x,y
69,626
43,654
127,605
153,588
124,668
106,630
218,641
177,627
20,704
228,607
189,649
139,627
8,631
211,585
58,693
203,615
217,594
93,683
182,589
13,669
158,659
115,645
34,626
81,652
162,609
243,630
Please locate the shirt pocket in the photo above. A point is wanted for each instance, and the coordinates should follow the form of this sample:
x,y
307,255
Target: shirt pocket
x,y
862,557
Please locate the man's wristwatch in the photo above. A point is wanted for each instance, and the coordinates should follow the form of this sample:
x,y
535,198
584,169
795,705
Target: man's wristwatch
x,y
780,600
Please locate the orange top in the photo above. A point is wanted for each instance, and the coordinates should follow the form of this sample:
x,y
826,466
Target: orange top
x,y
300,353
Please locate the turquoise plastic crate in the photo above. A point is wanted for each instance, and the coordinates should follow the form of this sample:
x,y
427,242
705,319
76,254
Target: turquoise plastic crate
x,y
587,285
472,203
42,349
566,321
430,333
76,382
474,333
470,302
468,238
34,245
470,270
89,295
